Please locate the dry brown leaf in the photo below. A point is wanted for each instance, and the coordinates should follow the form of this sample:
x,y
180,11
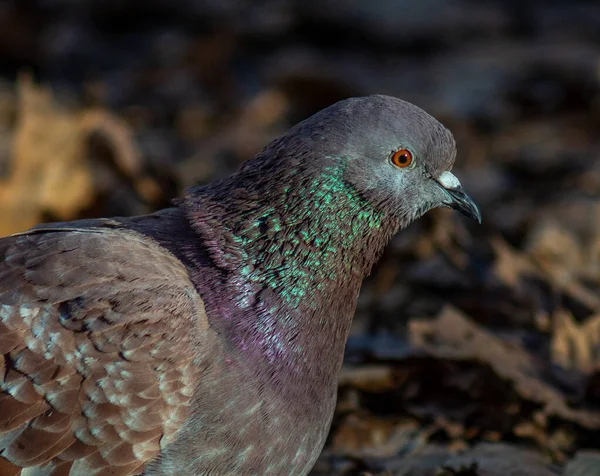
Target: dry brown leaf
x,y
510,265
566,238
576,346
560,255
454,336
368,436
373,378
546,263
48,170
553,246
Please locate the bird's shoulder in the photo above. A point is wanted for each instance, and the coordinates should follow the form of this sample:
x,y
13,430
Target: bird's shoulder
x,y
100,331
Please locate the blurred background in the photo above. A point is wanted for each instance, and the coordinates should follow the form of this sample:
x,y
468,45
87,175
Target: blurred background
x,y
475,349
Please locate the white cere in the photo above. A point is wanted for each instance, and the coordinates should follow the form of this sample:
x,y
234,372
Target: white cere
x,y
448,180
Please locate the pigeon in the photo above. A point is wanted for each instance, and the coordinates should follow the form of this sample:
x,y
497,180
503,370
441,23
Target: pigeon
x,y
207,338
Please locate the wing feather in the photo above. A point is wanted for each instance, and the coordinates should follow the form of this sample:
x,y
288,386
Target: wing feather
x,y
89,381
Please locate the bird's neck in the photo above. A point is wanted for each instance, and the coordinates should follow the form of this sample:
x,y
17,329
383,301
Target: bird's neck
x,y
293,252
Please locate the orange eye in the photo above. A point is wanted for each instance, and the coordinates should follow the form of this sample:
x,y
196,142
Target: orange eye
x,y
402,158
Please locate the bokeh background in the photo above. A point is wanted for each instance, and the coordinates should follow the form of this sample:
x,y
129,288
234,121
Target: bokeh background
x,y
475,349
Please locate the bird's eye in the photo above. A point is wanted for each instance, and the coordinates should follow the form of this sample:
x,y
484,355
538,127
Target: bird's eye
x,y
402,158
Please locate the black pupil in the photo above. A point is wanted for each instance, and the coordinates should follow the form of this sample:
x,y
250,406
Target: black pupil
x,y
403,158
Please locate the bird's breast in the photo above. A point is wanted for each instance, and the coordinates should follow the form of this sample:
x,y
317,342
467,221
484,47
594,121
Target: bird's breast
x,y
241,423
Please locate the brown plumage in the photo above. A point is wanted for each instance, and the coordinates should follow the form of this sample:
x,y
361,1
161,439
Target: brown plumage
x,y
207,338
86,349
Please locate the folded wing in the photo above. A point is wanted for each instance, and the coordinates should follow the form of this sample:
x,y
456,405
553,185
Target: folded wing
x,y
98,331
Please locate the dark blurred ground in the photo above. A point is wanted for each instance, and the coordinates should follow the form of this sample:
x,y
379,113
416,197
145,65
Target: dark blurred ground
x,y
488,363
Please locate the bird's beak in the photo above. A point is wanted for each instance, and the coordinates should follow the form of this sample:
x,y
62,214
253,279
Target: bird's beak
x,y
457,197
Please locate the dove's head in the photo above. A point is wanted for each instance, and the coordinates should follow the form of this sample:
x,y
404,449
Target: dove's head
x,y
391,152
335,187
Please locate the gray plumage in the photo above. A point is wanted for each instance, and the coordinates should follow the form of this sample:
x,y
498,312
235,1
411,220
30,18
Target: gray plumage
x,y
207,338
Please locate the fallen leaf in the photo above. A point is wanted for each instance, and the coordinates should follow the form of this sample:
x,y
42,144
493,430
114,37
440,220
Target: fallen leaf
x,y
49,173
576,346
453,336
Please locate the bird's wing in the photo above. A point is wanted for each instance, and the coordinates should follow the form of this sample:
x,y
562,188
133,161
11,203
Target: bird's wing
x,y
97,368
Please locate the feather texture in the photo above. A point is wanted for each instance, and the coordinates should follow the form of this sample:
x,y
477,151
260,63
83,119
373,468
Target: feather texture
x,y
87,376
